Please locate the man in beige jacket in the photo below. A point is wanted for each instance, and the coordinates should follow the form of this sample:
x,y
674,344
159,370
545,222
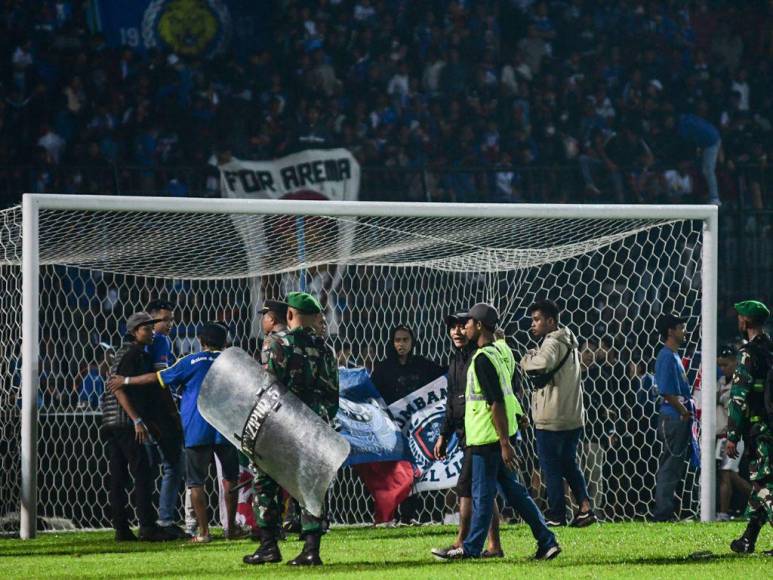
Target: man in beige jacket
x,y
557,411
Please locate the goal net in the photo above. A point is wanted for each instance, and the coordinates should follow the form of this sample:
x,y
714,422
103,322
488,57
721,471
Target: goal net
x,y
373,267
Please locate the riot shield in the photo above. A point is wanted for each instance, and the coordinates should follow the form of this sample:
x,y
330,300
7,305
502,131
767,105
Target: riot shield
x,y
282,436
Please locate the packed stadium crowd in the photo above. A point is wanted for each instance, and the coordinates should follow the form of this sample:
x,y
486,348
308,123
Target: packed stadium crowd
x,y
552,100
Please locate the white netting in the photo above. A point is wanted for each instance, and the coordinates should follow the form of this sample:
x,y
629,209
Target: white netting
x,y
612,277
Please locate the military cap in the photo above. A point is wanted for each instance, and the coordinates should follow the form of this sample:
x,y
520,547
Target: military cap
x,y
752,308
304,302
274,306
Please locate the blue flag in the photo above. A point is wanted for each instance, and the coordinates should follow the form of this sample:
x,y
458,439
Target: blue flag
x,y
365,422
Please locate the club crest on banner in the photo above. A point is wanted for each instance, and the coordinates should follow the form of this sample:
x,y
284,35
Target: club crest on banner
x,y
187,27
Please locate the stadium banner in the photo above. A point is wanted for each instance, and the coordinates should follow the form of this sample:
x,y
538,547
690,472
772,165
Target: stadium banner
x,y
364,421
332,174
420,417
186,28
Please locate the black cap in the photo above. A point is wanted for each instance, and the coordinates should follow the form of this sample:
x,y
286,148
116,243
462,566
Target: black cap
x,y
668,320
456,318
274,306
214,334
485,314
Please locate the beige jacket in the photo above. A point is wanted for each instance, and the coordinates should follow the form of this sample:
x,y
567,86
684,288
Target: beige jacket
x,y
558,406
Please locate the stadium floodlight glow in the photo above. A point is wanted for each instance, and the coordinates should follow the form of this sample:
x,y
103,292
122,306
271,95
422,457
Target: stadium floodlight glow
x,y
613,268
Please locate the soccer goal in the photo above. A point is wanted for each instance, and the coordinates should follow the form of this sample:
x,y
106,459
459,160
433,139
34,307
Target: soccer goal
x,y
75,266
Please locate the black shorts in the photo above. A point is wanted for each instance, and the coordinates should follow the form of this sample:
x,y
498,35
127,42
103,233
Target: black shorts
x,y
464,483
197,460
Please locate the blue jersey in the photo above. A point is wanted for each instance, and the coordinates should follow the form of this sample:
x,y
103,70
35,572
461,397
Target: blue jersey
x,y
187,374
698,130
161,351
671,379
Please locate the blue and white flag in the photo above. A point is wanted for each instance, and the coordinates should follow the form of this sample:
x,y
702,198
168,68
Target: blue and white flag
x,y
365,422
420,417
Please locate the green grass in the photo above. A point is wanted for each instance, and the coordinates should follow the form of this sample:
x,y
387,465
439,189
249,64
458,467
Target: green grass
x,y
643,551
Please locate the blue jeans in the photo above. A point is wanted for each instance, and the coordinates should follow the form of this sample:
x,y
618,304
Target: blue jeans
x,y
173,473
675,435
709,170
557,452
488,473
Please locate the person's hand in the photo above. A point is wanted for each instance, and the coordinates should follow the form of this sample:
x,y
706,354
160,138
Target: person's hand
x,y
140,432
440,448
686,416
115,383
523,422
508,456
731,449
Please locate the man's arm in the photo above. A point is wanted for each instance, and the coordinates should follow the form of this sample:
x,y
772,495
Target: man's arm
x,y
737,409
674,401
140,430
118,382
542,359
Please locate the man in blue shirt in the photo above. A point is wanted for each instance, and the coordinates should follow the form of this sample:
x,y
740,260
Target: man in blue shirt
x,y
173,463
201,439
676,414
705,136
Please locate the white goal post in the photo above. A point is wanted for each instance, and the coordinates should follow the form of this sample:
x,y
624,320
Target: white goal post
x,y
548,241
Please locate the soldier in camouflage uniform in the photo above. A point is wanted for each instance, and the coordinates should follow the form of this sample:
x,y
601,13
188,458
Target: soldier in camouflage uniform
x,y
748,420
300,360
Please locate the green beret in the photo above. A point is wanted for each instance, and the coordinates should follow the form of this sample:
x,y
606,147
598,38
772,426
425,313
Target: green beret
x,y
304,302
752,308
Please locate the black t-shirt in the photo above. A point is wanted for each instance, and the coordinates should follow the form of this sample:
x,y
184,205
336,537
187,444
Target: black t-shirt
x,y
492,391
488,380
394,380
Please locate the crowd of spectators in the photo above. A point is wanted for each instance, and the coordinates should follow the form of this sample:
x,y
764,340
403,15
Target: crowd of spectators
x,y
560,100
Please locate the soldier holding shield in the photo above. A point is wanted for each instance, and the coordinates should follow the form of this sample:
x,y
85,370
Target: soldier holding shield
x,y
301,361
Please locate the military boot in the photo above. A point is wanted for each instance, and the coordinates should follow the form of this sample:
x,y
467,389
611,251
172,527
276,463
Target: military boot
x,y
268,552
745,544
309,556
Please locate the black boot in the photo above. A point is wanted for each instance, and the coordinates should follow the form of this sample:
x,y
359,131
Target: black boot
x,y
745,544
309,556
268,552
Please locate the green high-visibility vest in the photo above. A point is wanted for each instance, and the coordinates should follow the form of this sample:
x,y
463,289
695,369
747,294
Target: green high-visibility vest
x,y
478,425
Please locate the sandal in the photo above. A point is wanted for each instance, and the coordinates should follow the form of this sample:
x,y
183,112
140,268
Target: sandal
x,y
201,539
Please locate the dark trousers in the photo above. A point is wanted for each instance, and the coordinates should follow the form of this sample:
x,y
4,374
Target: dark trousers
x,y
489,473
675,435
127,457
557,451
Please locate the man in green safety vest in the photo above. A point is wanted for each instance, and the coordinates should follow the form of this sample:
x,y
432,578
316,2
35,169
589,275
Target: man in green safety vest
x,y
490,424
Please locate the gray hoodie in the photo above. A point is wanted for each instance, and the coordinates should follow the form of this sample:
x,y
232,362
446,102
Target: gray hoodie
x,y
558,406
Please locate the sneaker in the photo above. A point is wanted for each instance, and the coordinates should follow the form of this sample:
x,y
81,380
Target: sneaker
x,y
495,554
551,523
153,534
201,539
768,553
125,535
450,554
583,519
441,551
236,534
175,532
548,553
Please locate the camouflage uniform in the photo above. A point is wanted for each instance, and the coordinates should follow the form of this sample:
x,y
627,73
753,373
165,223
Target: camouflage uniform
x,y
302,362
747,420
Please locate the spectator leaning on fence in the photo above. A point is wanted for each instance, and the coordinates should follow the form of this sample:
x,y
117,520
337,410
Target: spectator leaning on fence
x,y
557,411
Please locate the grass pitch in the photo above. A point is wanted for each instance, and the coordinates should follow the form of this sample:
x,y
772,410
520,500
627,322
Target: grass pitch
x,y
640,550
